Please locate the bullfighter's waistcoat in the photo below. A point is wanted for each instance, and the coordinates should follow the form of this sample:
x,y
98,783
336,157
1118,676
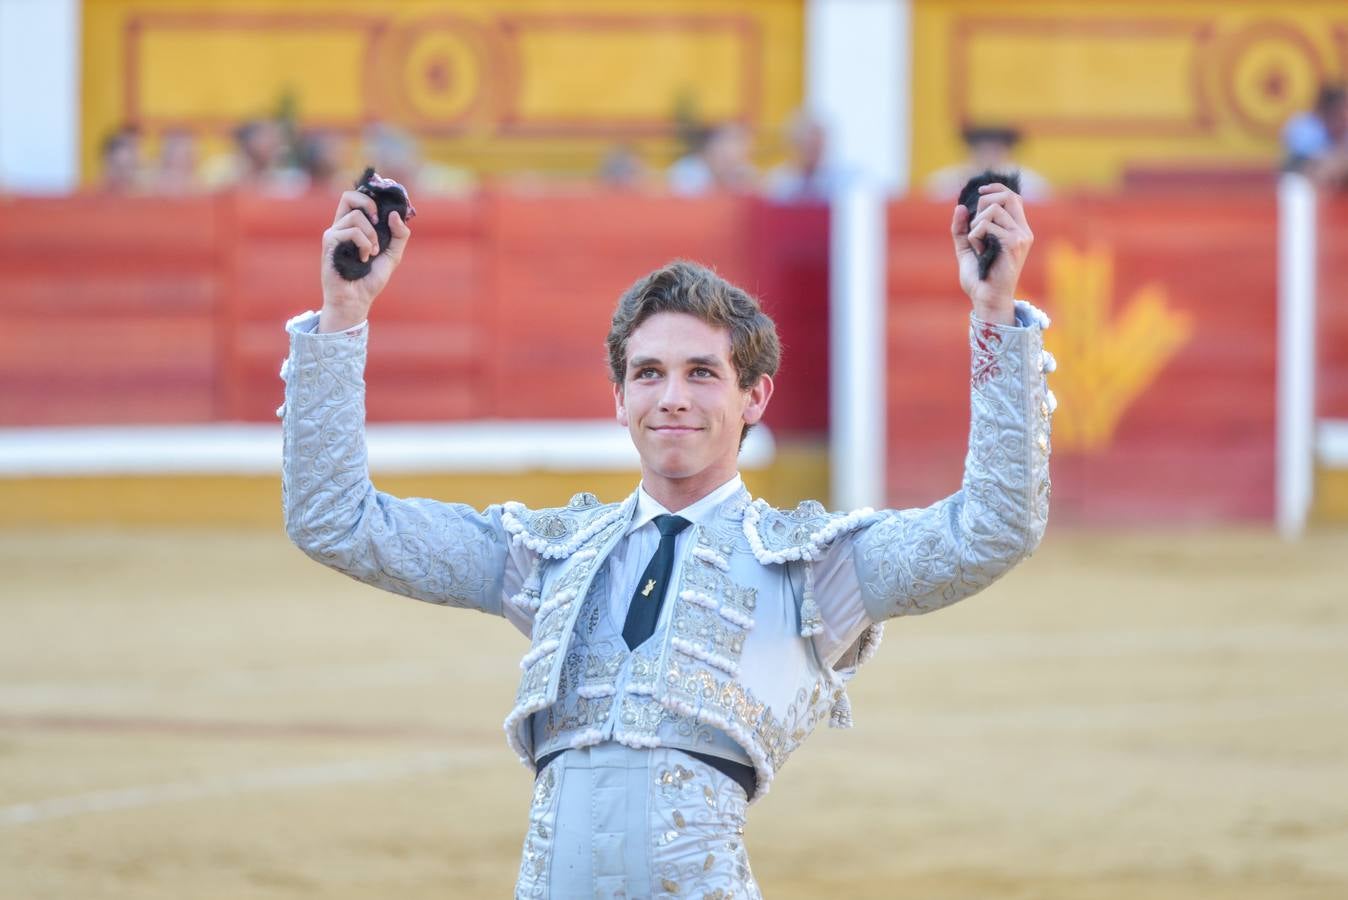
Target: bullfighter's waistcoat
x,y
733,659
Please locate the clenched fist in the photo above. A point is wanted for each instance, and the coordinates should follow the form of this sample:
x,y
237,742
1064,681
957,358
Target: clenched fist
x,y
1000,214
347,303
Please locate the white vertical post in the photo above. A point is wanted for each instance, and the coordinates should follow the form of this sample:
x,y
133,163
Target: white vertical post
x,y
39,95
857,83
857,348
857,70
1296,353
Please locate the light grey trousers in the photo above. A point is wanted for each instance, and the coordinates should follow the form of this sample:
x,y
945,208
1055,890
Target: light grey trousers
x,y
610,822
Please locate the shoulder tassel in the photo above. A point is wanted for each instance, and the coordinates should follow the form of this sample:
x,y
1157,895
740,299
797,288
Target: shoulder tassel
x,y
840,714
530,595
811,622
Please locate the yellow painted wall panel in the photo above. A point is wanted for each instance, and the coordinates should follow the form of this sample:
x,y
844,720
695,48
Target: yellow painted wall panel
x,y
1104,89
491,85
1084,77
630,73
237,72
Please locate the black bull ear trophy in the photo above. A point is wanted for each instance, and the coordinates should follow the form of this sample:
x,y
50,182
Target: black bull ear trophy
x,y
388,196
992,247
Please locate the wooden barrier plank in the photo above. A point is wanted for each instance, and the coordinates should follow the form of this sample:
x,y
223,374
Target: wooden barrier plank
x,y
428,329
106,346
788,250
501,305
85,226
1332,309
554,298
59,292
111,310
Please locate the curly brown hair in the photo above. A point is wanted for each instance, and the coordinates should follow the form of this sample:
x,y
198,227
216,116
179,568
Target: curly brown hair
x,y
686,287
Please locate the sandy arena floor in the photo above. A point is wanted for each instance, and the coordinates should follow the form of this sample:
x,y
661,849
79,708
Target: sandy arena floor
x,y
208,714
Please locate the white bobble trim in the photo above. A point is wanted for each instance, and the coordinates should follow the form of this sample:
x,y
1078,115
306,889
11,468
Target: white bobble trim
x,y
561,598
523,709
586,738
728,666
1047,363
295,320
537,653
698,598
735,617
591,691
636,741
1033,313
1052,400
729,613
712,557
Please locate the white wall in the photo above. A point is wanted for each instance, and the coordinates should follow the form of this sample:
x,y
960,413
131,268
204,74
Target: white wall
x,y
39,95
857,65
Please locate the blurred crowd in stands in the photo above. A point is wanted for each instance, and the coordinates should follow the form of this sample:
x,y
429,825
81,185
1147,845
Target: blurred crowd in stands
x,y
271,156
274,156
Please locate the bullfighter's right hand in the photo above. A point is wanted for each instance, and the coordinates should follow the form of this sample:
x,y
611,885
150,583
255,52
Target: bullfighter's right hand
x,y
347,303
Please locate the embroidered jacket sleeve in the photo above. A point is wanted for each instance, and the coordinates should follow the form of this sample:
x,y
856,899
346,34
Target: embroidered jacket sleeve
x,y
905,562
445,553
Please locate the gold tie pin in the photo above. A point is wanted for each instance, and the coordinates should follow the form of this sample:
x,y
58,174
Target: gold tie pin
x,y
650,586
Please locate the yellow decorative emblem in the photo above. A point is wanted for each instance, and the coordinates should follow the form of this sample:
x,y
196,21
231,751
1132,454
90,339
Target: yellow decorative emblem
x,y
650,586
1106,363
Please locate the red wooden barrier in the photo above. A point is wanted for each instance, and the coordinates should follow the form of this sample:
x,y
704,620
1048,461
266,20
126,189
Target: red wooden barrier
x,y
429,338
125,311
153,310
109,311
1332,309
1165,329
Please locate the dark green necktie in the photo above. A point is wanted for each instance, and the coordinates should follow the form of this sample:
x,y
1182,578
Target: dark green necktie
x,y
644,610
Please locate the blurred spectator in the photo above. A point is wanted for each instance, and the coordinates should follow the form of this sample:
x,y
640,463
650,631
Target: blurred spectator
x,y
395,154
989,148
120,165
260,161
1315,143
719,161
809,176
323,157
621,169
177,170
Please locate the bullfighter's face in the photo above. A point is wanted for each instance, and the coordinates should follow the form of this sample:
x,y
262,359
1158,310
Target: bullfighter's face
x,y
681,401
